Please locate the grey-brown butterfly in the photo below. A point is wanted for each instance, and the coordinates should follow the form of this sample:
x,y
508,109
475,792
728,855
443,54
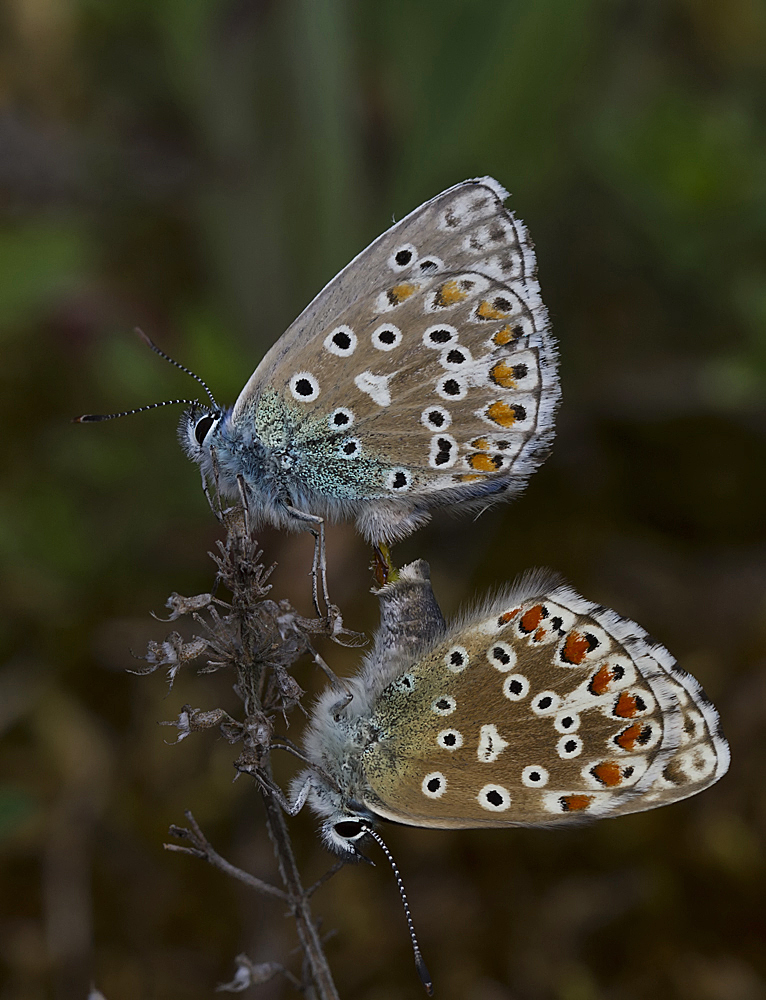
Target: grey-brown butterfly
x,y
422,375
537,708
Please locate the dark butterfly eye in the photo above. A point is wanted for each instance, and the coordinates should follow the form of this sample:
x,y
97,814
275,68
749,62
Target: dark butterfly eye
x,y
349,829
202,427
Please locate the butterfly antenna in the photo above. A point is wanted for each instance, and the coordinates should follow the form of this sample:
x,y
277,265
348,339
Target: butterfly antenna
x,y
420,965
91,418
150,344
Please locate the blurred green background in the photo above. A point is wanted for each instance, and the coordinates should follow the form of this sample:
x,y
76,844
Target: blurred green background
x,y
201,168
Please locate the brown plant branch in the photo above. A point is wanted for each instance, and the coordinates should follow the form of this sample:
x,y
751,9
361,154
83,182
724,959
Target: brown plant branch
x,y
260,640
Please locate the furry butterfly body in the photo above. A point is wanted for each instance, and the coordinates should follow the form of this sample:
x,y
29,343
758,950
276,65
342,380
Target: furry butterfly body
x,y
539,708
422,375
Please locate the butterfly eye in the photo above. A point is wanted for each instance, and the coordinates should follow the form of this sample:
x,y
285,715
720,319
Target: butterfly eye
x,y
349,829
202,427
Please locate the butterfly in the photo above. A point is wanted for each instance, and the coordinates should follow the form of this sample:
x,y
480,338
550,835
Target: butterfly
x,y
422,375
538,708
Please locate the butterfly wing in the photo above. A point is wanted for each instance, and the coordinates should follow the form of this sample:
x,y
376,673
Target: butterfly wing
x,y
425,369
545,708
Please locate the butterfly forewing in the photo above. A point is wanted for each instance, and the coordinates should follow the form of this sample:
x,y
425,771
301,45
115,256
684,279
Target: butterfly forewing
x,y
427,364
544,710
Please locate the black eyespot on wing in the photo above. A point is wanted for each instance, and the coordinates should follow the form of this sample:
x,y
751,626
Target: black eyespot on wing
x,y
304,388
440,336
403,257
342,340
494,798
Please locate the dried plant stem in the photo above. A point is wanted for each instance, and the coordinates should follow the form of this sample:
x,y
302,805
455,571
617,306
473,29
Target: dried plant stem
x,y
204,849
308,933
259,640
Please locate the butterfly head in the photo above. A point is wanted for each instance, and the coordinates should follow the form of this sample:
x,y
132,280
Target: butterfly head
x,y
210,439
345,822
339,729
197,433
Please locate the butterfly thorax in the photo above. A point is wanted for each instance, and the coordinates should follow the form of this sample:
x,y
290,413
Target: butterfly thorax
x,y
231,451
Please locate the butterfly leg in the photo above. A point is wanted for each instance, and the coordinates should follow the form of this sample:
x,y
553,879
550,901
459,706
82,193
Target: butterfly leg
x,y
315,525
291,807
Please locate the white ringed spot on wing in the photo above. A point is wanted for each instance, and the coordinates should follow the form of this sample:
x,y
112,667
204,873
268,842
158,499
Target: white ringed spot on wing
x,y
534,776
545,703
569,747
494,798
436,418
350,448
434,785
451,387
439,336
341,341
430,265
456,659
386,337
502,656
403,257
445,704
455,357
404,683
567,722
398,480
515,687
450,739
340,417
443,452
304,387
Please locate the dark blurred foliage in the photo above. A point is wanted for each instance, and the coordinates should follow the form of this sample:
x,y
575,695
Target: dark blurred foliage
x,y
201,168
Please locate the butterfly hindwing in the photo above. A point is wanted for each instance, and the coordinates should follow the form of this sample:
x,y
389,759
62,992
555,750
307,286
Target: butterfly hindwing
x,y
543,709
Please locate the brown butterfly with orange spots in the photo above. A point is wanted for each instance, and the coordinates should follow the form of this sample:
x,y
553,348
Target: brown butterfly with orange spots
x,y
538,708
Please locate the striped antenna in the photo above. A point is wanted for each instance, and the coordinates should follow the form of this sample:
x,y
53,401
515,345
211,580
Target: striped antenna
x,y
150,344
420,965
91,418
